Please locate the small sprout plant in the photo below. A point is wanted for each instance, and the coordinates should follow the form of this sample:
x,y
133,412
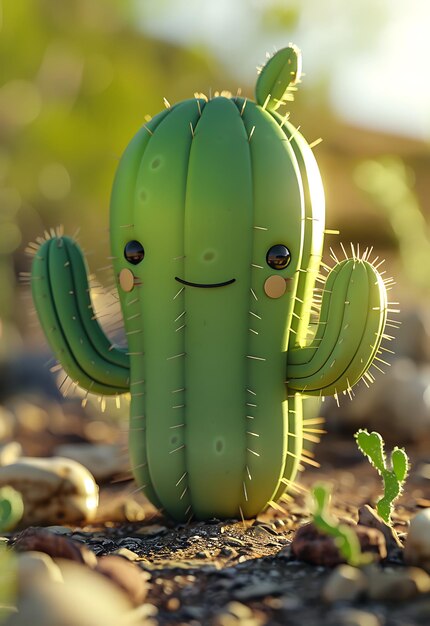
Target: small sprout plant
x,y
393,472
344,536
11,508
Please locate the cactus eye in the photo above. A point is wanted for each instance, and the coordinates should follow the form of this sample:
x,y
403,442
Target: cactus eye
x,y
134,252
278,257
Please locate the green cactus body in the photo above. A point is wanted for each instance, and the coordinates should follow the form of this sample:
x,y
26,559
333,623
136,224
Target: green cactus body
x,y
218,345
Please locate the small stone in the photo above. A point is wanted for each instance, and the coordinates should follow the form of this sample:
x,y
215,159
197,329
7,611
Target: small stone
x,y
56,546
397,585
263,588
203,554
417,545
239,610
227,551
85,598
126,575
32,565
194,612
352,617
369,517
102,460
345,583
127,554
54,490
30,416
173,604
59,530
7,424
233,541
10,452
262,532
123,509
152,531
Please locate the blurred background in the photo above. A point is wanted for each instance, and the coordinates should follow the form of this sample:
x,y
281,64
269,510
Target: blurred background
x,y
78,78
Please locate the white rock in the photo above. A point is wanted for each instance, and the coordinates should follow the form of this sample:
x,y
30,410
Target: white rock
x,y
417,545
54,490
102,460
85,599
10,452
345,583
34,565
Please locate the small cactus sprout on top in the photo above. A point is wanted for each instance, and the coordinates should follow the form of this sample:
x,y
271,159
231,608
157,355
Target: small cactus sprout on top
x,y
372,446
344,536
217,229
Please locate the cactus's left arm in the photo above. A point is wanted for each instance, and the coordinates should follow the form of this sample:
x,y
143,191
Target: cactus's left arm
x,y
61,295
349,333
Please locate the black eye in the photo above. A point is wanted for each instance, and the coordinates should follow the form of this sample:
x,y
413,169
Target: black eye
x,y
134,252
278,257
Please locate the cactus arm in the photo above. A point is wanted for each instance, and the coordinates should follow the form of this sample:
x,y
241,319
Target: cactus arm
x,y
349,332
61,295
281,72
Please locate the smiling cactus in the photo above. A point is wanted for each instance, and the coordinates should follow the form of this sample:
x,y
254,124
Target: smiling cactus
x,y
217,224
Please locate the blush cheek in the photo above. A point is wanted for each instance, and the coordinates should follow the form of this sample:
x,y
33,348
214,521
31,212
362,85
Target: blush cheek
x,y
275,286
126,280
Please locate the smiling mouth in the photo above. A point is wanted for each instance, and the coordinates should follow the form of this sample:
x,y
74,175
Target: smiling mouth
x,y
207,286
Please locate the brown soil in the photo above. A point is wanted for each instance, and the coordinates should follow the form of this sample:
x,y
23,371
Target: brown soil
x,y
197,570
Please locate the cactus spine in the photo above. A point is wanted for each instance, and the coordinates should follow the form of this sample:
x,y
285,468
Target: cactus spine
x,y
217,223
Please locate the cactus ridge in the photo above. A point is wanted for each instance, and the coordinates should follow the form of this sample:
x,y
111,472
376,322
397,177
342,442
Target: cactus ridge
x,y
208,188
393,471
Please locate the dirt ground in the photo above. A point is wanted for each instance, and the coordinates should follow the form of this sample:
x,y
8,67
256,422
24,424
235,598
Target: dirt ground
x,y
231,572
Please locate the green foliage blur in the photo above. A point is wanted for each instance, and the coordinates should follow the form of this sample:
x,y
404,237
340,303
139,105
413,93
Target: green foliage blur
x,y
76,81
79,78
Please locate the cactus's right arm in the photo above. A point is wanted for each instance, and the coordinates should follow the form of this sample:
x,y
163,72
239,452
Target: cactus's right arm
x,y
61,296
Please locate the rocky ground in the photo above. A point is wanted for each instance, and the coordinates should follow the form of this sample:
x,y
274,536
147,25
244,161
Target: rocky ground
x,y
220,573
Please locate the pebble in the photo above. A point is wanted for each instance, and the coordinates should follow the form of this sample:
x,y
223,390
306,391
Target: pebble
x,y
7,423
259,590
54,490
127,554
352,617
369,517
36,565
262,532
227,551
126,575
54,545
102,460
397,585
10,452
417,544
59,530
29,415
345,583
233,541
85,599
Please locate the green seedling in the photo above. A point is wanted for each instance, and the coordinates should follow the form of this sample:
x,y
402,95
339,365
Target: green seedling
x,y
217,228
393,475
345,537
11,508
